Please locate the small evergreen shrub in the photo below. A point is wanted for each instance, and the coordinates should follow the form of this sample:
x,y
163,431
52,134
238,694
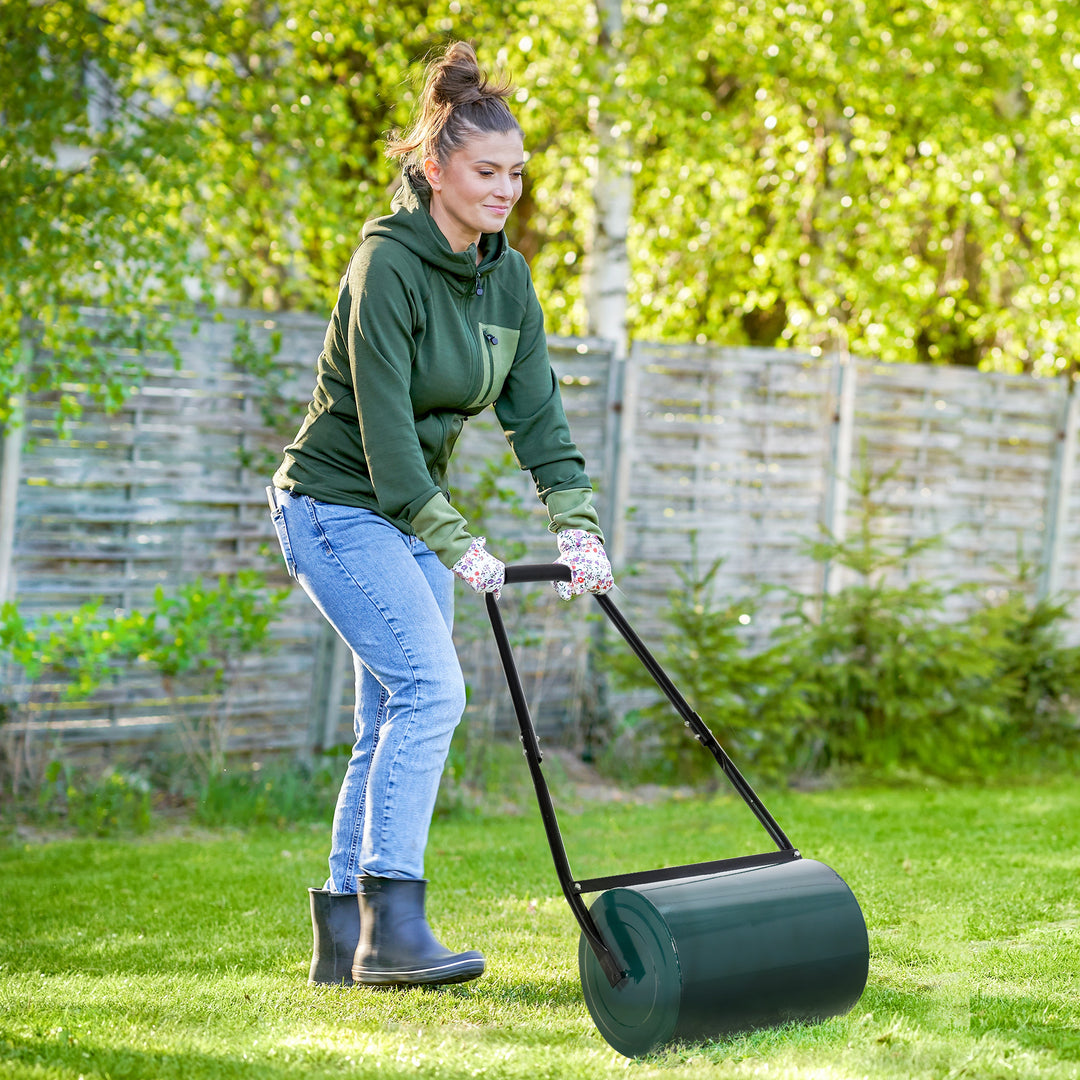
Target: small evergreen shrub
x,y
870,677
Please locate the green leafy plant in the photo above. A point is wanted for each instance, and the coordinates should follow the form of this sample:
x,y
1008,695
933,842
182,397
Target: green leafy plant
x,y
93,801
887,684
279,794
64,657
1040,671
115,801
483,493
196,639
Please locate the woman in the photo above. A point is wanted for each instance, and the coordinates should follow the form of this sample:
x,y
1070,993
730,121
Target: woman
x,y
436,318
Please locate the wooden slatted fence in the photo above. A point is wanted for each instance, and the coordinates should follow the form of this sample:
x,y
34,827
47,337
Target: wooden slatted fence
x,y
698,453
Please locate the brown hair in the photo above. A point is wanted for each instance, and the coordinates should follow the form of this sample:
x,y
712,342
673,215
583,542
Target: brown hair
x,y
458,101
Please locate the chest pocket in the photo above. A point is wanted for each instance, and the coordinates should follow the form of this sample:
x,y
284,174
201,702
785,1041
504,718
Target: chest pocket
x,y
498,347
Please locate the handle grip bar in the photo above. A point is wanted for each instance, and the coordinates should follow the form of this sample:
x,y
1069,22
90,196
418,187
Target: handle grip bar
x,y
523,572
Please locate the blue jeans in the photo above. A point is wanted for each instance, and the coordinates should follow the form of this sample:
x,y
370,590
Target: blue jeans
x,y
392,601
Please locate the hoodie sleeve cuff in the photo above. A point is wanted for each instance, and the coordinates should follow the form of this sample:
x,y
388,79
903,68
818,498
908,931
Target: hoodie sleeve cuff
x,y
443,529
573,509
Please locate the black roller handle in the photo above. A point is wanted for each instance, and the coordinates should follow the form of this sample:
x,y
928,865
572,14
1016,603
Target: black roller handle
x,y
572,888
523,572
611,967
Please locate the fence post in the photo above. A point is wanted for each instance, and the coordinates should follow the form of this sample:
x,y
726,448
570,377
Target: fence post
x,y
623,417
612,445
841,440
339,661
10,463
329,663
1057,500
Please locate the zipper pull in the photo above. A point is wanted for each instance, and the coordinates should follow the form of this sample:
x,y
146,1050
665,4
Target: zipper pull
x,y
479,287
492,339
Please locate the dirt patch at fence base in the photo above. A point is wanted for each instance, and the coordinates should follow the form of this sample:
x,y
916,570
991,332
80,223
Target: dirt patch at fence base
x,y
591,787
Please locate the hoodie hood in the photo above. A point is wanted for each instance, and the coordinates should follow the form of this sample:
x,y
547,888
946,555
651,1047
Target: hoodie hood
x,y
410,223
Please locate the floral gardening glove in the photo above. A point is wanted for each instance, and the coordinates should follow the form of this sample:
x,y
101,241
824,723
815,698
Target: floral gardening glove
x,y
480,570
590,570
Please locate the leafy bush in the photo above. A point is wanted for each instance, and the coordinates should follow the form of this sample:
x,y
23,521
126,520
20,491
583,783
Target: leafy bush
x,y
116,801
704,654
885,683
1039,673
195,639
93,803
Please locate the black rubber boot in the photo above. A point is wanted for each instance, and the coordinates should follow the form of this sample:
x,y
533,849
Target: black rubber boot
x,y
335,923
397,947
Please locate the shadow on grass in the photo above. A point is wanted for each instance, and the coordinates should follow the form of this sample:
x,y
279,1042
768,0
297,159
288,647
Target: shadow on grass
x,y
553,993
1034,1023
64,1052
151,958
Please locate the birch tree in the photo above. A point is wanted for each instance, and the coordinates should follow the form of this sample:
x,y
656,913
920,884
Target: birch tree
x,y
607,258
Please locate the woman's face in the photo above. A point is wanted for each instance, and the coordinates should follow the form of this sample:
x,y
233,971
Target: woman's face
x,y
473,191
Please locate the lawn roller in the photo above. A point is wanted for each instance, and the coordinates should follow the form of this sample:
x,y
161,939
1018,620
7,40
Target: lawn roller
x,y
708,949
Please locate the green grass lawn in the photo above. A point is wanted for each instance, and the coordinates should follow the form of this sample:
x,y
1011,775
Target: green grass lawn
x,y
184,954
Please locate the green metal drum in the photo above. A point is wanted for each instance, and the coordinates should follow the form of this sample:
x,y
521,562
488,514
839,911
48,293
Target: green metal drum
x,y
712,955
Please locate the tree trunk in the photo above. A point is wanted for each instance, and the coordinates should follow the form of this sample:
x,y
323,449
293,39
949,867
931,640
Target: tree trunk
x,y
607,267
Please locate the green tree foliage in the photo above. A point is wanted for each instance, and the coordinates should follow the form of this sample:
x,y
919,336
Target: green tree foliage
x,y
94,204
896,176
290,103
157,153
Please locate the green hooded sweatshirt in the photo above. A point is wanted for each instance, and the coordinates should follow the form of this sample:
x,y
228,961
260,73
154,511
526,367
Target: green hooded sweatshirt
x,y
421,338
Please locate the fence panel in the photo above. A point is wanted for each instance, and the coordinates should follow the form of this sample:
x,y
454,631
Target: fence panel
x,y
969,458
728,462
171,488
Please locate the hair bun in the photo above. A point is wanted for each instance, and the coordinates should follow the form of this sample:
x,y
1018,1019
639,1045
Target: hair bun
x,y
456,79
458,101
